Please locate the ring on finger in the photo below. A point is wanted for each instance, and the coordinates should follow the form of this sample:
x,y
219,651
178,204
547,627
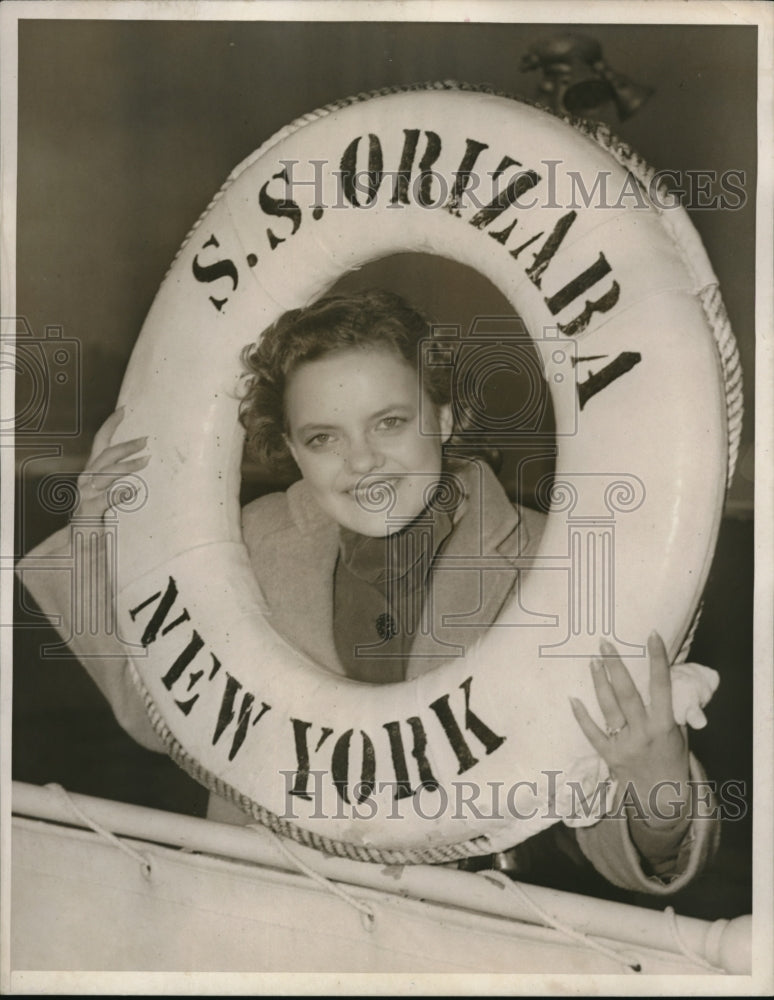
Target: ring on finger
x,y
615,730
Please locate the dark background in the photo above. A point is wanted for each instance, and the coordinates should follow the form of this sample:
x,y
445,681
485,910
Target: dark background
x,y
126,130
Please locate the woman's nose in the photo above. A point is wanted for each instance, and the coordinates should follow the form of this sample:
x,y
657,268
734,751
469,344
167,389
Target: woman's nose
x,y
362,457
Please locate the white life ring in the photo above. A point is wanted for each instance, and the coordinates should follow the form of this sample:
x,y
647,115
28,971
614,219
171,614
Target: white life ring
x,y
624,308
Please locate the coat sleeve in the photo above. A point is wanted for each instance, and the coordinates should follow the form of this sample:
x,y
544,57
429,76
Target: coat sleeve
x,y
52,573
609,847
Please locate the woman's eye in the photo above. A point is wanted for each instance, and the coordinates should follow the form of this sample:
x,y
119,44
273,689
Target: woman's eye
x,y
390,423
319,440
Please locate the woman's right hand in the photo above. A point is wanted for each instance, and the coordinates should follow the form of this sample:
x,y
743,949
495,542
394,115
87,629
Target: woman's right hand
x,y
107,463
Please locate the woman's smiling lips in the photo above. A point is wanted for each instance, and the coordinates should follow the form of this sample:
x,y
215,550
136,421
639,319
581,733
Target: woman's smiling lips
x,y
368,494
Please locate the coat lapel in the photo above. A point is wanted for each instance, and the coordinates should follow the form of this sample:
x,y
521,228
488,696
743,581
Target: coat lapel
x,y
465,599
295,563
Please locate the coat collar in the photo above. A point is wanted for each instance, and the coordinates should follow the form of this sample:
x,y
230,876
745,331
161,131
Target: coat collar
x,y
486,523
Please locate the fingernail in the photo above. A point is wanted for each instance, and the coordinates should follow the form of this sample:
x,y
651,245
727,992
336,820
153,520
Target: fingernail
x,y
120,409
606,647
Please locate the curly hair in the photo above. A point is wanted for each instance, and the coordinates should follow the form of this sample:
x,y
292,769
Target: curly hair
x,y
334,323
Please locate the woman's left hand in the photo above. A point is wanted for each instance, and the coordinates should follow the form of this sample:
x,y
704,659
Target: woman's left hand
x,y
643,746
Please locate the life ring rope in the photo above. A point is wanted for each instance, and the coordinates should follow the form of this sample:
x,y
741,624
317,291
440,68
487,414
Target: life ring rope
x,y
679,229
475,847
307,119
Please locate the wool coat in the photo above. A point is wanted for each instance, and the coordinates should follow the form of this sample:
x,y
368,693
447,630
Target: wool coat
x,y
294,545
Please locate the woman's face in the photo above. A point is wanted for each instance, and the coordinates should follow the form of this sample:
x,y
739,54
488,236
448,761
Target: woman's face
x,y
366,437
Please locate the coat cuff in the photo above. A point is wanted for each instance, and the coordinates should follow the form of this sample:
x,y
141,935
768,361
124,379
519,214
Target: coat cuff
x,y
609,846
49,573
